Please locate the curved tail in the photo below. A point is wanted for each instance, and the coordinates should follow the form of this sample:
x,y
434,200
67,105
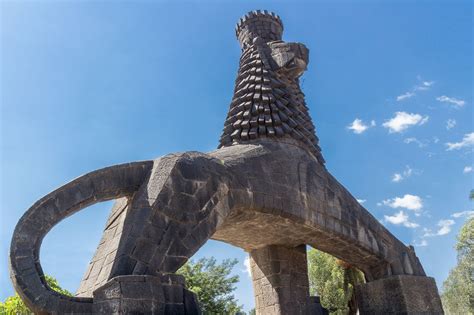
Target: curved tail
x,y
25,268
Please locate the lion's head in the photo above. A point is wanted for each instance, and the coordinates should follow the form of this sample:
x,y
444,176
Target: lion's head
x,y
268,101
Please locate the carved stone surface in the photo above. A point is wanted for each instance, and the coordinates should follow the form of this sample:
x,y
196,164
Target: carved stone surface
x,y
280,280
265,189
163,294
399,295
268,101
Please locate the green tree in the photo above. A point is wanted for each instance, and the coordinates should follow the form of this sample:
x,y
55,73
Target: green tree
x,y
458,289
213,284
334,281
14,305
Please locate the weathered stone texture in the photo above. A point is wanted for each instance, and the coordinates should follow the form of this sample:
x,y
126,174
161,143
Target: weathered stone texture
x,y
399,295
265,190
162,294
280,280
268,101
263,24
25,269
301,203
100,266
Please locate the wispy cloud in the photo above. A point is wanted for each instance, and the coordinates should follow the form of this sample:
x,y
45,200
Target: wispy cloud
x,y
415,140
398,177
424,85
358,126
400,218
421,86
467,141
361,201
422,243
450,123
444,227
410,202
405,96
403,120
467,169
456,103
468,213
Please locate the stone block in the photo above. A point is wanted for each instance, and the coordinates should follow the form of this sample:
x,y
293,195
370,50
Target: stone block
x,y
191,305
280,280
162,294
400,294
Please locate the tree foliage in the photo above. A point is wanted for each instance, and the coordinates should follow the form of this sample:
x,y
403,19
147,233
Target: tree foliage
x,y
458,289
14,305
334,281
213,284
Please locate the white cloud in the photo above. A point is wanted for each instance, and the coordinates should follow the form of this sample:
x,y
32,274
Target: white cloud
x,y
467,169
468,213
398,177
400,218
415,140
247,266
444,228
450,123
358,126
407,172
422,243
467,141
405,96
424,85
410,202
456,102
403,120
410,225
361,201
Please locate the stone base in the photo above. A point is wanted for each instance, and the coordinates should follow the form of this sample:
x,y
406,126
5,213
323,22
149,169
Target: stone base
x,y
401,294
280,280
136,294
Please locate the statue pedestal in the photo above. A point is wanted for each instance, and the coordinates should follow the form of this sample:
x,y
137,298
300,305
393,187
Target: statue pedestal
x,y
401,294
163,294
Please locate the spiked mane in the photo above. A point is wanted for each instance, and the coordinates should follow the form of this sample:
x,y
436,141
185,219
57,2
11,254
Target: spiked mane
x,y
267,104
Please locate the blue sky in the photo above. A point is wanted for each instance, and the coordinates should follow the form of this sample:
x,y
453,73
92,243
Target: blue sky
x,y
89,84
